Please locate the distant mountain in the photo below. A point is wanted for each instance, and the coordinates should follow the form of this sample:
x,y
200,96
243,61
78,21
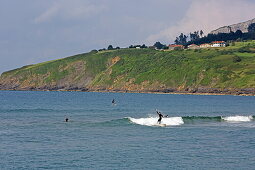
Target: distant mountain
x,y
243,26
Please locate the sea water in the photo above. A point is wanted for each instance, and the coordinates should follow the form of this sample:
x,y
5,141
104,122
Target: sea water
x,y
201,132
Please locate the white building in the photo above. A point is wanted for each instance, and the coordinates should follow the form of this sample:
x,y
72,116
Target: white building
x,y
218,44
205,45
193,46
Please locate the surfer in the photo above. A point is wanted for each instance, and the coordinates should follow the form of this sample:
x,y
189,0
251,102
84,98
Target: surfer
x,y
66,119
160,116
113,101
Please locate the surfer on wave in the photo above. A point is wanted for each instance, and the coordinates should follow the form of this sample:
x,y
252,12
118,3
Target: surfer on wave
x,y
160,116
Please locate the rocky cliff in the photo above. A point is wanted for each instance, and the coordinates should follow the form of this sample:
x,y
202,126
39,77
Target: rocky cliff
x,y
243,26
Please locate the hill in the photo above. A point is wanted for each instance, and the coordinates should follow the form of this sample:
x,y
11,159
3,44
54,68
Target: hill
x,y
243,26
227,70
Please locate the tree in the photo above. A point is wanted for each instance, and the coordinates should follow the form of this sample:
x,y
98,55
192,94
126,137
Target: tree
x,y
165,47
251,28
194,36
177,41
103,49
181,40
158,45
143,46
93,51
201,33
110,47
239,33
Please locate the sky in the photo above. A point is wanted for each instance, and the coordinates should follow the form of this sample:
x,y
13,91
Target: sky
x,y
34,31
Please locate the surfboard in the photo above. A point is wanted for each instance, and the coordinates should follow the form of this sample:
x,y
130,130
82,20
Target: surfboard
x,y
161,125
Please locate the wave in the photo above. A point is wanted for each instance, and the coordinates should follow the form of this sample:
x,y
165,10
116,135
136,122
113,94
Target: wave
x,y
203,118
153,121
238,118
235,118
176,121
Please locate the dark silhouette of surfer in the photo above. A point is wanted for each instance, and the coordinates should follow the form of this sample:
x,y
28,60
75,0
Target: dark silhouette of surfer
x,y
113,101
66,119
160,116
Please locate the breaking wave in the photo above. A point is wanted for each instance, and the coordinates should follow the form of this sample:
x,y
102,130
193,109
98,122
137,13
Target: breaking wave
x,y
238,118
219,118
153,121
171,121
176,121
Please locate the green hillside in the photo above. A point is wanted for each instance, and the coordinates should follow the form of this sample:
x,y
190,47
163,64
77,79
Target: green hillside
x,y
204,70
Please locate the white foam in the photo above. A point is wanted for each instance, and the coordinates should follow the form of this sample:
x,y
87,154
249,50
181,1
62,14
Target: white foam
x,y
153,121
238,118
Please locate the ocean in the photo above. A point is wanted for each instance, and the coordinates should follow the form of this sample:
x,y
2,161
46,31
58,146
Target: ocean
x,y
201,132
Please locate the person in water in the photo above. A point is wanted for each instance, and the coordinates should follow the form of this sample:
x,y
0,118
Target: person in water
x,y
113,101
160,116
66,119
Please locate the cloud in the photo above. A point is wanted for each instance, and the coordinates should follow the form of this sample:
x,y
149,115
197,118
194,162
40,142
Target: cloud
x,y
207,16
69,10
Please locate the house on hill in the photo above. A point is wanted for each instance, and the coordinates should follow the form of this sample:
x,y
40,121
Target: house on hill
x,y
174,46
206,45
193,46
218,44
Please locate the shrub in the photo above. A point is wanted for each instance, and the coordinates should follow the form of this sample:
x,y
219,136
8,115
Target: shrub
x,y
245,49
110,47
178,49
93,51
197,50
236,59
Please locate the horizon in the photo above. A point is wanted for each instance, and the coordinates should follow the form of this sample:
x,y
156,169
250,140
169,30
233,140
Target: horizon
x,y
47,30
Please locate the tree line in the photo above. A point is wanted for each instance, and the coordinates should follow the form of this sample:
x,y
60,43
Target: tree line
x,y
198,38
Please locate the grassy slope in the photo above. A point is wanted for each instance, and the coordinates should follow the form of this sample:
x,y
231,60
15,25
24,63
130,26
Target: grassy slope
x,y
148,69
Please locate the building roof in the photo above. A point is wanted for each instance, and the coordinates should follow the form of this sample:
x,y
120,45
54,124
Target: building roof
x,y
218,42
193,45
174,45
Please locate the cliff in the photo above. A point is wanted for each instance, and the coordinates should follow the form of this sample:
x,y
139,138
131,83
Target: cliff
x,y
243,26
143,70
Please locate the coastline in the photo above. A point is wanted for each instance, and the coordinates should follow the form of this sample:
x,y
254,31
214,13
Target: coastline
x,y
220,93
